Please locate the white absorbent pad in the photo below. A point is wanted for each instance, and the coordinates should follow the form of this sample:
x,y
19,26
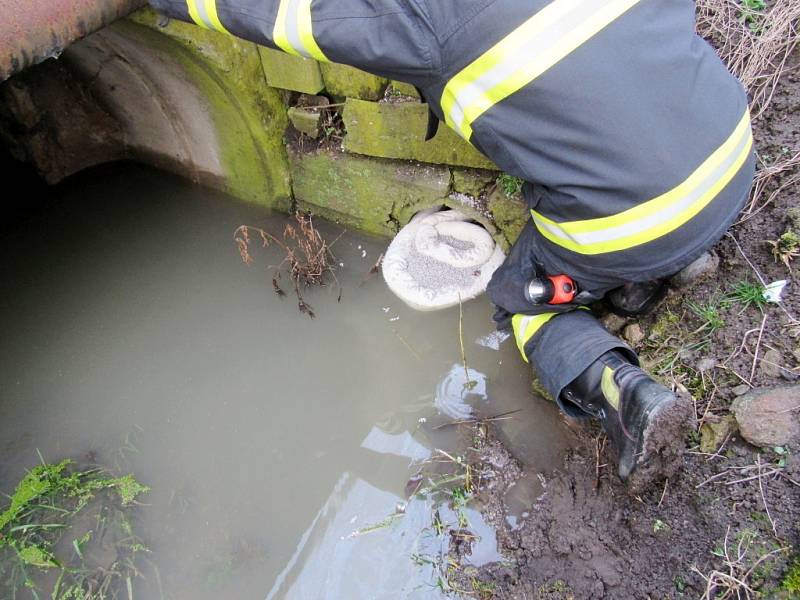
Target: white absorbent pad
x,y
439,259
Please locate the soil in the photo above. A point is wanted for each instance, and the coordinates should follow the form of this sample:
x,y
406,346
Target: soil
x,y
587,535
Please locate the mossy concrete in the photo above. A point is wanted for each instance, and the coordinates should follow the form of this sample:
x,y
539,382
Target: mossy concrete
x,y
249,116
289,72
390,130
474,182
405,89
343,80
361,192
509,214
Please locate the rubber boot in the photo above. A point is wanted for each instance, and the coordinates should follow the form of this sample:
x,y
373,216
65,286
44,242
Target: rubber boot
x,y
637,298
644,420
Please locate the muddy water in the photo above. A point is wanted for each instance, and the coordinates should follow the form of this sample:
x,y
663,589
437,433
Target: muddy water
x,y
134,337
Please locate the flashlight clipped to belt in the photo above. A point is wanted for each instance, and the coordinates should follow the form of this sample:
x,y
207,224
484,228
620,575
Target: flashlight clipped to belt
x,y
551,289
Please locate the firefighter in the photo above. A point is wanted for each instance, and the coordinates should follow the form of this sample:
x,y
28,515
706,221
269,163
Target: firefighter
x,y
632,138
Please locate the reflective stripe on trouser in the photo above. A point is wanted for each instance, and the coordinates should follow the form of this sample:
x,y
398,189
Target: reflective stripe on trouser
x,y
566,347
526,326
531,49
655,218
293,31
204,13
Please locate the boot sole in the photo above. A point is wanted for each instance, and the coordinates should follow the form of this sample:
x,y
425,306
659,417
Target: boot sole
x,y
662,447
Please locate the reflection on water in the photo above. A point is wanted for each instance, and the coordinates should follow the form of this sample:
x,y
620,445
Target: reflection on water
x,y
134,336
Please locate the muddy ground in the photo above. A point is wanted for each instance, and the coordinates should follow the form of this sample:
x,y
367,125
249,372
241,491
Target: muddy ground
x,y
729,525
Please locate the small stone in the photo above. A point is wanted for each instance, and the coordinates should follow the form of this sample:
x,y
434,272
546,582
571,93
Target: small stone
x,y
769,416
633,334
770,362
741,390
706,364
706,264
715,431
613,322
305,121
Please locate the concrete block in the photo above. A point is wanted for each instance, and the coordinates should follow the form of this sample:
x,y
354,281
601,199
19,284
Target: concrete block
x,y
289,72
398,131
342,80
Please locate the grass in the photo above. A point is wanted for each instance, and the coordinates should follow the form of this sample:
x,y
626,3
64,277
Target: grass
x,y
54,520
709,314
748,294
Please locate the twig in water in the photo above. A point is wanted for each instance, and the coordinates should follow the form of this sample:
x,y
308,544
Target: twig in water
x,y
468,384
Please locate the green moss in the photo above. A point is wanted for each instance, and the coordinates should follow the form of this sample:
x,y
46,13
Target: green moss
x,y
791,581
249,116
509,213
398,131
343,80
363,192
474,182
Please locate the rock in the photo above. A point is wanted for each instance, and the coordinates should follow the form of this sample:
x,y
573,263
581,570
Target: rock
x,y
343,80
305,121
633,334
769,364
398,131
714,432
706,264
613,322
289,72
769,416
741,390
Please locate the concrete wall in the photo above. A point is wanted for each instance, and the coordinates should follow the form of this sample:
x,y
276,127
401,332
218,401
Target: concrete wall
x,y
263,126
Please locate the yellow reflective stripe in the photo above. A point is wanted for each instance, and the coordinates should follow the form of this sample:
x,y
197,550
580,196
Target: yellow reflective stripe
x,y
192,6
204,13
211,11
661,215
293,30
523,55
526,326
279,31
306,32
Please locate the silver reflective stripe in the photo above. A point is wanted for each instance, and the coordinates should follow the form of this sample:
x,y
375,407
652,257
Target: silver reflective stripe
x,y
293,29
203,14
506,68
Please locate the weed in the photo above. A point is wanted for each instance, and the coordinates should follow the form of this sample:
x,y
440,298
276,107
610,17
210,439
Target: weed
x,y
307,259
748,294
709,314
746,566
482,589
56,502
509,184
659,525
786,247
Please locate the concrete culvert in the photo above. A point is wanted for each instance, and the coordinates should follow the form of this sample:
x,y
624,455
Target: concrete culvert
x,y
439,259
